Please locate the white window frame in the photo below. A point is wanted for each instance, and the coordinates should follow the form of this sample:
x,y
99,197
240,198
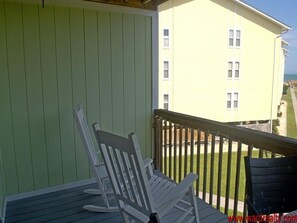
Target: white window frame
x,y
168,69
168,101
227,100
239,64
166,38
232,67
234,38
233,70
237,30
232,100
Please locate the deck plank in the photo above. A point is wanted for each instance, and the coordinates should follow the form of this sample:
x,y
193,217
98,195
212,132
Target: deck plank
x,y
66,206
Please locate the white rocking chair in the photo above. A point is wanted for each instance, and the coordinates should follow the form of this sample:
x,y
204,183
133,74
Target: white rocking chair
x,y
142,198
98,167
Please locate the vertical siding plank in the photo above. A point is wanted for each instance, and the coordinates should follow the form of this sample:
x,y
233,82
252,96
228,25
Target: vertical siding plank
x,y
67,126
17,77
6,131
92,67
105,70
148,87
140,83
79,82
92,77
117,73
50,94
34,91
129,74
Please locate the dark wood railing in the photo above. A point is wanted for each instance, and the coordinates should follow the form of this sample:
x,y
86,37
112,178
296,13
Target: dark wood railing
x,y
215,152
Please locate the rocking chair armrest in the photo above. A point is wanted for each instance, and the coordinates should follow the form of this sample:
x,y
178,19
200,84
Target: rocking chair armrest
x,y
147,162
148,167
100,164
179,191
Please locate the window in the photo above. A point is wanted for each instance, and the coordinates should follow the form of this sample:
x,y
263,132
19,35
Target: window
x,y
165,69
233,69
166,38
230,69
229,96
231,37
234,38
236,69
232,100
235,100
166,101
238,38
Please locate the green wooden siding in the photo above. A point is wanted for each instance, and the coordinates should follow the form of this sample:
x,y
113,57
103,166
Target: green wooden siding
x,y
52,59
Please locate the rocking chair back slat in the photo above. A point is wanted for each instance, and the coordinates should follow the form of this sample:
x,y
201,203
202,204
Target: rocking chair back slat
x,y
126,168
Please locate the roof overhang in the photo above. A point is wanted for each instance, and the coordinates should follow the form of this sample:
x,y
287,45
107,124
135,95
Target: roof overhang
x,y
283,26
136,4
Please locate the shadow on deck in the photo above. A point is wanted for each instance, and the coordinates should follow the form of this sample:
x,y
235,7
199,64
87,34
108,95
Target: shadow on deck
x,y
65,205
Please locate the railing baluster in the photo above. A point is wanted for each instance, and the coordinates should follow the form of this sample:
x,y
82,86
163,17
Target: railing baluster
x,y
165,146
220,172
170,149
175,148
211,168
238,165
205,164
158,144
186,153
198,161
261,153
180,151
192,151
228,176
162,145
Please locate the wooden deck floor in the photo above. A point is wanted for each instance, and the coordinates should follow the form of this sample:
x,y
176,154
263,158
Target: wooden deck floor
x,y
66,206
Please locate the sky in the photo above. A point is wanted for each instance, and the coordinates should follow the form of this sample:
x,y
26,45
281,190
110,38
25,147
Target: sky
x,y
286,12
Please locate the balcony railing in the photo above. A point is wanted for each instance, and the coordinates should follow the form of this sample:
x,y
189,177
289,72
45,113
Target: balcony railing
x,y
215,152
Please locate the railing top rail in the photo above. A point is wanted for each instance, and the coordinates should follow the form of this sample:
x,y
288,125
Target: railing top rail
x,y
273,143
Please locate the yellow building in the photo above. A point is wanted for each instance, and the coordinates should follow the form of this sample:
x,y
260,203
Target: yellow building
x,y
220,59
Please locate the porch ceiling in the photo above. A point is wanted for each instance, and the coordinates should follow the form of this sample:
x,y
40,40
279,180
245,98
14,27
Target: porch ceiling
x,y
143,4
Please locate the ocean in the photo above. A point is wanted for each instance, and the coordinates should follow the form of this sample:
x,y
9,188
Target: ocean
x,y
290,77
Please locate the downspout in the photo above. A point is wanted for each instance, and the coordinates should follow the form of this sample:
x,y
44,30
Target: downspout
x,y
272,85
273,76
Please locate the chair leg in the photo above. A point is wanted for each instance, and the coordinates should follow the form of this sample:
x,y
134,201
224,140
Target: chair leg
x,y
194,203
154,218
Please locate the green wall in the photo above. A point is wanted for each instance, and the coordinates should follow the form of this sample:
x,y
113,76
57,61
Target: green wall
x,y
53,58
